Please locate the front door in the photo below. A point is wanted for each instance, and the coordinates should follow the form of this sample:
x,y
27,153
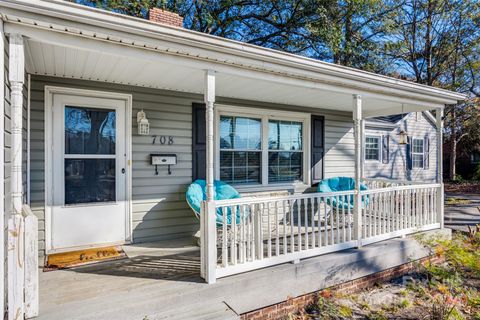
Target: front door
x,y
89,195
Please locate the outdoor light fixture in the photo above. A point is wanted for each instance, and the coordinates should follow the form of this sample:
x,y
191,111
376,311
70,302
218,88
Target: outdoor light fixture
x,y
402,135
142,122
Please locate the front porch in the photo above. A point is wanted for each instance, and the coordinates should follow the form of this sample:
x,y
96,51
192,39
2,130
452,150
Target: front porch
x,y
90,188
142,288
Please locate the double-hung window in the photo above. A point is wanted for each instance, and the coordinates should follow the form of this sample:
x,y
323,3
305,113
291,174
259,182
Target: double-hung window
x,y
240,149
285,151
258,148
372,148
417,153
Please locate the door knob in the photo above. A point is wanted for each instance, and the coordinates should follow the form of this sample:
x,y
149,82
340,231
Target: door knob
x,y
123,170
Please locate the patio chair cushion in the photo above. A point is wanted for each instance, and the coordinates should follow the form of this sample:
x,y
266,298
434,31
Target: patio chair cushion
x,y
337,184
197,192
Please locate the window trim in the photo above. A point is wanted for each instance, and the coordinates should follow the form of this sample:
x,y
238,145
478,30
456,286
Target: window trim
x,y
418,153
265,115
380,147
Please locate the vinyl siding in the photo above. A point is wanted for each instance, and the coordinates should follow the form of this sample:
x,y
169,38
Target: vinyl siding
x,y
418,126
159,207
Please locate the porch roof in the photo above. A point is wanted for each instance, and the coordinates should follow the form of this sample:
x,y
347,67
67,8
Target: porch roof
x,y
74,41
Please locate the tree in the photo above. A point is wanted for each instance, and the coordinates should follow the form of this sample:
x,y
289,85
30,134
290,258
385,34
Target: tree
x,y
352,32
436,43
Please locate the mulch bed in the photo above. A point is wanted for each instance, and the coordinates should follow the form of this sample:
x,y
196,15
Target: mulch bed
x,y
463,187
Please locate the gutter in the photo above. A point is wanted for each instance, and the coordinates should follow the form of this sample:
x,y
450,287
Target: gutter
x,y
140,27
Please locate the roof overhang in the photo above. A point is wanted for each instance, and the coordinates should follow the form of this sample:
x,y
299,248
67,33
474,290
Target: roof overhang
x,y
138,52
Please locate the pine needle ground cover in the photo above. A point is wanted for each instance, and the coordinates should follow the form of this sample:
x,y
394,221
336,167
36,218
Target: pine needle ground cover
x,y
433,291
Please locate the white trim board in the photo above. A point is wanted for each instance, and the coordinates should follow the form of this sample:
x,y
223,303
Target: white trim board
x,y
49,92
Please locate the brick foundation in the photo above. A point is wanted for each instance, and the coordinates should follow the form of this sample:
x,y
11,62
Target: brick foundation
x,y
294,305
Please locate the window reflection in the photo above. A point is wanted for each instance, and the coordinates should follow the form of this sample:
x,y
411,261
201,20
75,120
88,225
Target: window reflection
x,y
89,131
89,180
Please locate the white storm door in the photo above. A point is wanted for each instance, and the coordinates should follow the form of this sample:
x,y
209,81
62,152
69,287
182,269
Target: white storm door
x,y
89,198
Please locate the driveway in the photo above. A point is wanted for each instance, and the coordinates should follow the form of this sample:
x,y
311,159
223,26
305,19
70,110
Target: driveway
x,y
462,210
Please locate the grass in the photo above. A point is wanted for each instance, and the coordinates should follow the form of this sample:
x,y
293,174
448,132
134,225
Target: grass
x,y
446,291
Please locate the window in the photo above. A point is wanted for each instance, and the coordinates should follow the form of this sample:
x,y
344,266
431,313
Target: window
x,y
285,151
417,153
261,149
372,148
240,149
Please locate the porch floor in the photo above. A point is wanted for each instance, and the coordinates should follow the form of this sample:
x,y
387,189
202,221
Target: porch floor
x,y
161,281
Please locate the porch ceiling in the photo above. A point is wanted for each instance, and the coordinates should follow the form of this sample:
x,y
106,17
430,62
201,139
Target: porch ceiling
x,y
51,59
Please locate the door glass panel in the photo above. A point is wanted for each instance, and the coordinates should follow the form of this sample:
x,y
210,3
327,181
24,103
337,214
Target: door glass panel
x,y
89,131
89,180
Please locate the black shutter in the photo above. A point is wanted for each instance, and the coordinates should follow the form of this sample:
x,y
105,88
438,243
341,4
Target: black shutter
x,y
318,148
199,137
409,153
385,149
426,153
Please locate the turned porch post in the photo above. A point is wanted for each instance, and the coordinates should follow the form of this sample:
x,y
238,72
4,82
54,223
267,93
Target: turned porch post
x,y
208,216
440,194
358,134
16,276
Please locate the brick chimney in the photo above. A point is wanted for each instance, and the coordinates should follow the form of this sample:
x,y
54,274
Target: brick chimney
x,y
165,17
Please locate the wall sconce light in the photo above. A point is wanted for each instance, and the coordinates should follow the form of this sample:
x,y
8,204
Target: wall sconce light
x,y
402,138
142,122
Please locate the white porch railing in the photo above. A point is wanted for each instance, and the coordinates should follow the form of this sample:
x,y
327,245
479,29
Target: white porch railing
x,y
274,230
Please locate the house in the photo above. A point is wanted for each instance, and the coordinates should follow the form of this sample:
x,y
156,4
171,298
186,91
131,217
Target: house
x,y
385,158
108,118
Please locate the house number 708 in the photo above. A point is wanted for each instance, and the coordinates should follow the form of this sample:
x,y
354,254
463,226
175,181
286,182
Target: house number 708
x,y
163,139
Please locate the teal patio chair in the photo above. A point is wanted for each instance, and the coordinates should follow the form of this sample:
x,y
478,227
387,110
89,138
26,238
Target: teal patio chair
x,y
341,184
197,192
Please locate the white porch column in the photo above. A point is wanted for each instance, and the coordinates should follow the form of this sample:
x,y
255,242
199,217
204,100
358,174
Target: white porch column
x,y
16,276
2,163
440,194
358,134
208,216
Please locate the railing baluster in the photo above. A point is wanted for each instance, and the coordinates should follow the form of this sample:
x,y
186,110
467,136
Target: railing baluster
x,y
299,227
292,228
325,220
312,220
349,214
277,231
242,235
319,222
374,199
285,247
233,240
269,230
305,216
344,218
249,233
337,220
224,238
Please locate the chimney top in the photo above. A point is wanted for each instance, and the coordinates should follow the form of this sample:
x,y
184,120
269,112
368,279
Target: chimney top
x,y
162,16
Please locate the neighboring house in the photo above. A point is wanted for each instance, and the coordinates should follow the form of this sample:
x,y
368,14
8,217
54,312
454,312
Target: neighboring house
x,y
385,158
97,171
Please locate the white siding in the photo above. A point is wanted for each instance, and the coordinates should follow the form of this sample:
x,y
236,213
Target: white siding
x,y
159,207
418,126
